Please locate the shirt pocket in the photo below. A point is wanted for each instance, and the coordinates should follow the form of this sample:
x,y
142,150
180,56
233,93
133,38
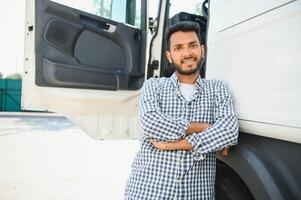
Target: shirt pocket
x,y
203,109
172,106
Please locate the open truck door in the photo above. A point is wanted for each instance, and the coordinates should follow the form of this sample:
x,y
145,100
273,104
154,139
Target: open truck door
x,y
86,61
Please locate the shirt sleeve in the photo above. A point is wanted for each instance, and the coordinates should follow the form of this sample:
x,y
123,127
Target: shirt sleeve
x,y
155,124
224,132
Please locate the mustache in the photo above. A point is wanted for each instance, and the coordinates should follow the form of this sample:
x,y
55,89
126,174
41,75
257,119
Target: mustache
x,y
188,58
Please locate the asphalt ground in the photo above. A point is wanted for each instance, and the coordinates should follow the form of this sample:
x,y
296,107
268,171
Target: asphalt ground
x,y
45,157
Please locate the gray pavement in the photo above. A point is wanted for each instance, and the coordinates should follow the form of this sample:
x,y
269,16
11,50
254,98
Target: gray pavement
x,y
44,157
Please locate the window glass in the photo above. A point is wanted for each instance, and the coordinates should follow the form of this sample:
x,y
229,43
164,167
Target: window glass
x,y
153,8
190,6
124,11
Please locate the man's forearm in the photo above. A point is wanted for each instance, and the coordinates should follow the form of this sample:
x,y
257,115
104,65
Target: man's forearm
x,y
196,127
182,144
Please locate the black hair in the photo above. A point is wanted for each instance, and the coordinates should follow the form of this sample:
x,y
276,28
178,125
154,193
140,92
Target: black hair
x,y
184,26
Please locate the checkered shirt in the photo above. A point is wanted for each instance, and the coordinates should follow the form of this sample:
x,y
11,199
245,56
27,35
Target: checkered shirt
x,y
165,116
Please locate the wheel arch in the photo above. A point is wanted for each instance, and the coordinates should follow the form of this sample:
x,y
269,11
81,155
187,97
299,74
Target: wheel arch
x,y
265,168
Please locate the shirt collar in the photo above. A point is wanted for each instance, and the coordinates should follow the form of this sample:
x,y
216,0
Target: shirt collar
x,y
199,82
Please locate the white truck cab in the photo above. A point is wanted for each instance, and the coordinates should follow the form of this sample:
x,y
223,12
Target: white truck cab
x,y
88,60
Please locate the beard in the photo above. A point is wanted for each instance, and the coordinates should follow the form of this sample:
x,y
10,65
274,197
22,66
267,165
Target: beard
x,y
191,71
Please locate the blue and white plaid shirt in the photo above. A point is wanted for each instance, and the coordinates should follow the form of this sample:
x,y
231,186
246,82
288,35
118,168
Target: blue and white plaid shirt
x,y
165,115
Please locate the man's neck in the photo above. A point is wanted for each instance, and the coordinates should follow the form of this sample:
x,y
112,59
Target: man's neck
x,y
189,79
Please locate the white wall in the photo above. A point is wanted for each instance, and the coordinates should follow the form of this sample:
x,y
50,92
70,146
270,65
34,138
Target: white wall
x,y
12,15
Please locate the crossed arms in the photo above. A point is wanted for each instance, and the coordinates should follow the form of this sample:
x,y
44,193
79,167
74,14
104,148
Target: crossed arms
x,y
182,144
168,133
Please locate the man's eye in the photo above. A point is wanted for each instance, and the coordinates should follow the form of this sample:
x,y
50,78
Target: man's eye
x,y
177,48
194,45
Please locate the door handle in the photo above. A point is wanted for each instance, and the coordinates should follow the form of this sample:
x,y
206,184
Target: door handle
x,y
97,24
111,28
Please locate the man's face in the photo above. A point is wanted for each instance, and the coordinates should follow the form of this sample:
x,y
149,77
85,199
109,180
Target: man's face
x,y
185,52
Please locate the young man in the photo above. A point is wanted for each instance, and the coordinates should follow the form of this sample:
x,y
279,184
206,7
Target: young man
x,y
185,120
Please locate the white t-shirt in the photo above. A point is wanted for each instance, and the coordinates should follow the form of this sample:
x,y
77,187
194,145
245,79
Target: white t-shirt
x,y
187,90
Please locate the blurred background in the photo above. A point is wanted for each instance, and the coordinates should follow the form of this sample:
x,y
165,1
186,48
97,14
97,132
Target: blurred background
x,y
43,156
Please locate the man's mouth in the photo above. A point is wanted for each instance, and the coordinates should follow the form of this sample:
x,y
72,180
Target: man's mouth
x,y
188,61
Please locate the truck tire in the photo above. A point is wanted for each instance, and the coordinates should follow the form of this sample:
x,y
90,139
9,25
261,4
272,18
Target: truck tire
x,y
229,186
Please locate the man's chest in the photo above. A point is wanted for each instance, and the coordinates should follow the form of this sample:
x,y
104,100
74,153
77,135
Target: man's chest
x,y
200,108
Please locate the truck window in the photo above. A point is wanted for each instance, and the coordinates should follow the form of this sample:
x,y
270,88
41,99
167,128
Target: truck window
x,y
192,7
128,11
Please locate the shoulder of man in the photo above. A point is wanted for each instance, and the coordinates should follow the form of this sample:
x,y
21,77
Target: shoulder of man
x,y
156,82
216,86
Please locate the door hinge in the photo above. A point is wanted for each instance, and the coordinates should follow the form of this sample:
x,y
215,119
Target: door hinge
x,y
154,65
153,23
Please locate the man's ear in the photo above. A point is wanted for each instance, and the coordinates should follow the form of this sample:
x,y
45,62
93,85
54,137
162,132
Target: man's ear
x,y
167,53
203,50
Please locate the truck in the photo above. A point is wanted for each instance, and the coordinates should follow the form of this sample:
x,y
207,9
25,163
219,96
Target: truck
x,y
90,61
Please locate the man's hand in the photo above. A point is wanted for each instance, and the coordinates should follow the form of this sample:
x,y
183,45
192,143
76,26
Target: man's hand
x,y
182,144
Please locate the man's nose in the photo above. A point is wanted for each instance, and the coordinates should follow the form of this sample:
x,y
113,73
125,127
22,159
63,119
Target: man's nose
x,y
186,52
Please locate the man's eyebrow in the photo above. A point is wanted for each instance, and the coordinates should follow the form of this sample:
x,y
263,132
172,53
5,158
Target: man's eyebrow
x,y
193,42
179,45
